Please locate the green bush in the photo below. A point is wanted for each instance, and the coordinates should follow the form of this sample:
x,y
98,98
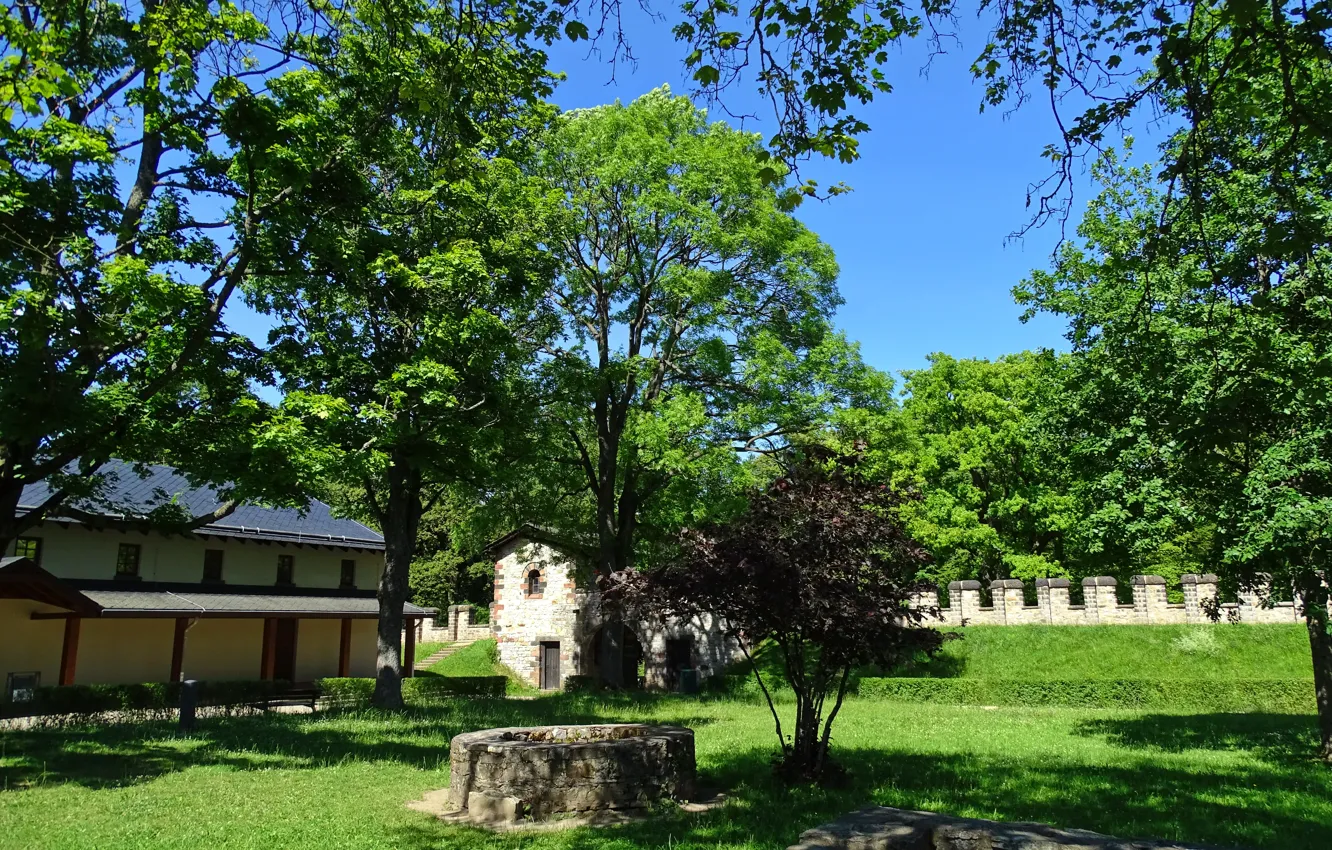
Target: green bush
x,y
150,697
1295,695
357,693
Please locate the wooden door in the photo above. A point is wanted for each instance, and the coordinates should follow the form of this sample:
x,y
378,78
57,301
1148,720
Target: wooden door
x,y
284,655
550,666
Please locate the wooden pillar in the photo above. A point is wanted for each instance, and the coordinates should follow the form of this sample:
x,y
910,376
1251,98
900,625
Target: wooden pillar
x,y
269,651
409,654
69,651
344,649
178,649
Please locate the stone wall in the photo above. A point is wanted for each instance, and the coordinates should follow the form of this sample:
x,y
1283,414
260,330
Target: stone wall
x,y
544,770
456,625
1101,606
884,828
562,611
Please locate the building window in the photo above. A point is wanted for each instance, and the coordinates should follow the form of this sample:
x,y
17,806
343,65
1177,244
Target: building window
x,y
286,569
30,548
534,583
212,565
348,579
22,687
127,560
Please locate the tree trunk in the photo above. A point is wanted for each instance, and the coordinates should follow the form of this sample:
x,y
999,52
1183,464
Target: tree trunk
x,y
1315,597
402,515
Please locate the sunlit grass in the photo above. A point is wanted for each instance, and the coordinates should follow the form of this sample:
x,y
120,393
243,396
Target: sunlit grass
x,y
341,780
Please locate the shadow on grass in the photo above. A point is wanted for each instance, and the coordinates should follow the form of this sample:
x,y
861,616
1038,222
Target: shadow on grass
x,y
99,756
1261,807
1271,737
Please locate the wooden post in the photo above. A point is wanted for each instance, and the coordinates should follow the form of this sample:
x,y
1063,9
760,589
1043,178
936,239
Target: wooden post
x,y
178,649
69,651
409,654
344,649
269,650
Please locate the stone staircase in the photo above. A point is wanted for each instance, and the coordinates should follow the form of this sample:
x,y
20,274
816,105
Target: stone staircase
x,y
444,653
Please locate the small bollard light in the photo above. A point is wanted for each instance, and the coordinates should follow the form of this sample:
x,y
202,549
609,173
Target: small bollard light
x,y
189,703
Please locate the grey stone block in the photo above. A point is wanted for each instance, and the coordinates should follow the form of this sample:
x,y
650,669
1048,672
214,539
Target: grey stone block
x,y
884,828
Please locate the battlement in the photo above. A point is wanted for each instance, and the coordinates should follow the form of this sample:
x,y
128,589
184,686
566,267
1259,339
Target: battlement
x,y
1101,603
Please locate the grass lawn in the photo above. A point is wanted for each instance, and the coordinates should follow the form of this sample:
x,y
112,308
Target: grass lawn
x,y
340,780
478,659
1219,651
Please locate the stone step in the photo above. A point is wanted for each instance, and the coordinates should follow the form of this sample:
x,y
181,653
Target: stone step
x,y
444,653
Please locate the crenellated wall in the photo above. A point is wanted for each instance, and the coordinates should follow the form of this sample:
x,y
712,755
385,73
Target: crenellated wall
x,y
1101,603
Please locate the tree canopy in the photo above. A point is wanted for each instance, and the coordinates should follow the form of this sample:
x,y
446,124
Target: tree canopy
x,y
694,321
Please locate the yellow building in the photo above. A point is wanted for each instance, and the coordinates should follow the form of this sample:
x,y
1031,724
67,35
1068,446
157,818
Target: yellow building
x,y
264,593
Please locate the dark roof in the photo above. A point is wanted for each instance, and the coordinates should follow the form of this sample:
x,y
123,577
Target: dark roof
x,y
20,578
536,534
127,496
151,603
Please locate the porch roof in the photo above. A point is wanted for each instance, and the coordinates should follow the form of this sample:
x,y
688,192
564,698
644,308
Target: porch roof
x,y
165,603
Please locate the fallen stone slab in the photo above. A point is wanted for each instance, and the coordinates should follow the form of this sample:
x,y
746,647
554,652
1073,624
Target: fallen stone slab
x,y
885,828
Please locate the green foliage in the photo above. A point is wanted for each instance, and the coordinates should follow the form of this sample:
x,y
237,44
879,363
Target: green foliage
x,y
694,320
350,693
82,702
403,325
995,496
130,206
1284,695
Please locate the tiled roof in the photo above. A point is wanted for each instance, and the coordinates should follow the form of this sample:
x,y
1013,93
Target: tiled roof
x,y
128,495
165,603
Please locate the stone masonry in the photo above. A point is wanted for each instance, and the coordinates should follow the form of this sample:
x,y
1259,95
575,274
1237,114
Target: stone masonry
x,y
536,772
1101,603
884,828
539,599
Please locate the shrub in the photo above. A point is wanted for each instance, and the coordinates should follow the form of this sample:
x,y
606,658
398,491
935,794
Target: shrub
x,y
357,693
153,698
1293,695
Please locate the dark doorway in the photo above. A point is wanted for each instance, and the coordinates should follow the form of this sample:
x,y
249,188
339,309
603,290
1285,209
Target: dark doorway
x,y
679,656
550,665
284,655
618,656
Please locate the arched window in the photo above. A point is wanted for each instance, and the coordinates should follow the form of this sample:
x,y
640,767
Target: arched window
x,y
534,583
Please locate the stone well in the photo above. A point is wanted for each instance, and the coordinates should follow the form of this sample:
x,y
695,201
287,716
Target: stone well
x,y
540,771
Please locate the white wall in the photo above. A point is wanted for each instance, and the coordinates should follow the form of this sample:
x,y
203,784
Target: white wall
x,y
80,553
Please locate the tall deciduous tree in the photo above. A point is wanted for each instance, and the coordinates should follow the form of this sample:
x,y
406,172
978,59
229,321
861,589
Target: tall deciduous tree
x,y
1203,350
995,496
129,203
695,315
820,566
401,323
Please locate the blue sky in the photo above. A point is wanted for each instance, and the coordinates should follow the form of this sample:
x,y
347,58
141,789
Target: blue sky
x,y
926,264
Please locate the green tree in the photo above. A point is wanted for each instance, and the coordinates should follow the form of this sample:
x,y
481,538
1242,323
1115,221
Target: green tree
x,y
129,201
694,322
1203,356
402,324
994,499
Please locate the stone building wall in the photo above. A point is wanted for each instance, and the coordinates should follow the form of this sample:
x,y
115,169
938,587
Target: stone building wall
x,y
564,612
1101,605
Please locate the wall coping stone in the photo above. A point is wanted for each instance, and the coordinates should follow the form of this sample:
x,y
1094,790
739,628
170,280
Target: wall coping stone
x,y
1205,578
1001,583
885,828
1099,581
1145,580
969,584
1053,582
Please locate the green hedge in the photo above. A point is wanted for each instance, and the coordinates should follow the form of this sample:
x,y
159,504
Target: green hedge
x,y
357,692
1295,695
153,697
